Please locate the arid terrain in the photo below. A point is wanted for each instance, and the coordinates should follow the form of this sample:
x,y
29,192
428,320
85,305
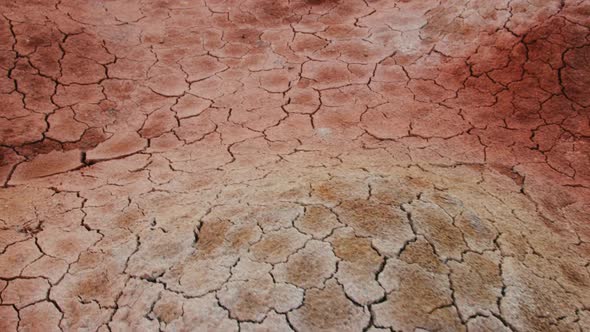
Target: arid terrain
x,y
295,165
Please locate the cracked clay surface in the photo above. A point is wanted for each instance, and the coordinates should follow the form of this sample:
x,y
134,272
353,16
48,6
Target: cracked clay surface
x,y
296,165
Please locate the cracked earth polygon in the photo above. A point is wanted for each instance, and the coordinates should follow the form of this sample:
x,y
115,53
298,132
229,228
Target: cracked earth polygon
x,y
302,165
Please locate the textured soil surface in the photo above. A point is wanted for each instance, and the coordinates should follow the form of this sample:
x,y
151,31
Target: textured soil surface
x,y
307,165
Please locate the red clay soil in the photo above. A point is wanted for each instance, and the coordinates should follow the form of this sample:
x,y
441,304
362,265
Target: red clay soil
x,y
307,165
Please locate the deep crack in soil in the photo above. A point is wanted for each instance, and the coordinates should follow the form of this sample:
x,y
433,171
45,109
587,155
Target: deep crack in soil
x,y
302,165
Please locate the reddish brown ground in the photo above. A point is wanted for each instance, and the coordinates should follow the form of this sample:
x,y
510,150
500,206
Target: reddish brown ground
x,y
308,165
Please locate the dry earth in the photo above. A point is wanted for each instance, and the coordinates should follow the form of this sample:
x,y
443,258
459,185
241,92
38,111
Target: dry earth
x,y
307,165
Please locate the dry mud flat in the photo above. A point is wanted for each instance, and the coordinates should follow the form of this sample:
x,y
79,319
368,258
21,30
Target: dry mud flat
x,y
300,165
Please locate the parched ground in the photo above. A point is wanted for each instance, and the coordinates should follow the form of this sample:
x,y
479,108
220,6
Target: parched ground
x,y
307,165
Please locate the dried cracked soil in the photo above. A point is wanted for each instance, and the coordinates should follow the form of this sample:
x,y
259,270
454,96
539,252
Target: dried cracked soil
x,y
301,165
